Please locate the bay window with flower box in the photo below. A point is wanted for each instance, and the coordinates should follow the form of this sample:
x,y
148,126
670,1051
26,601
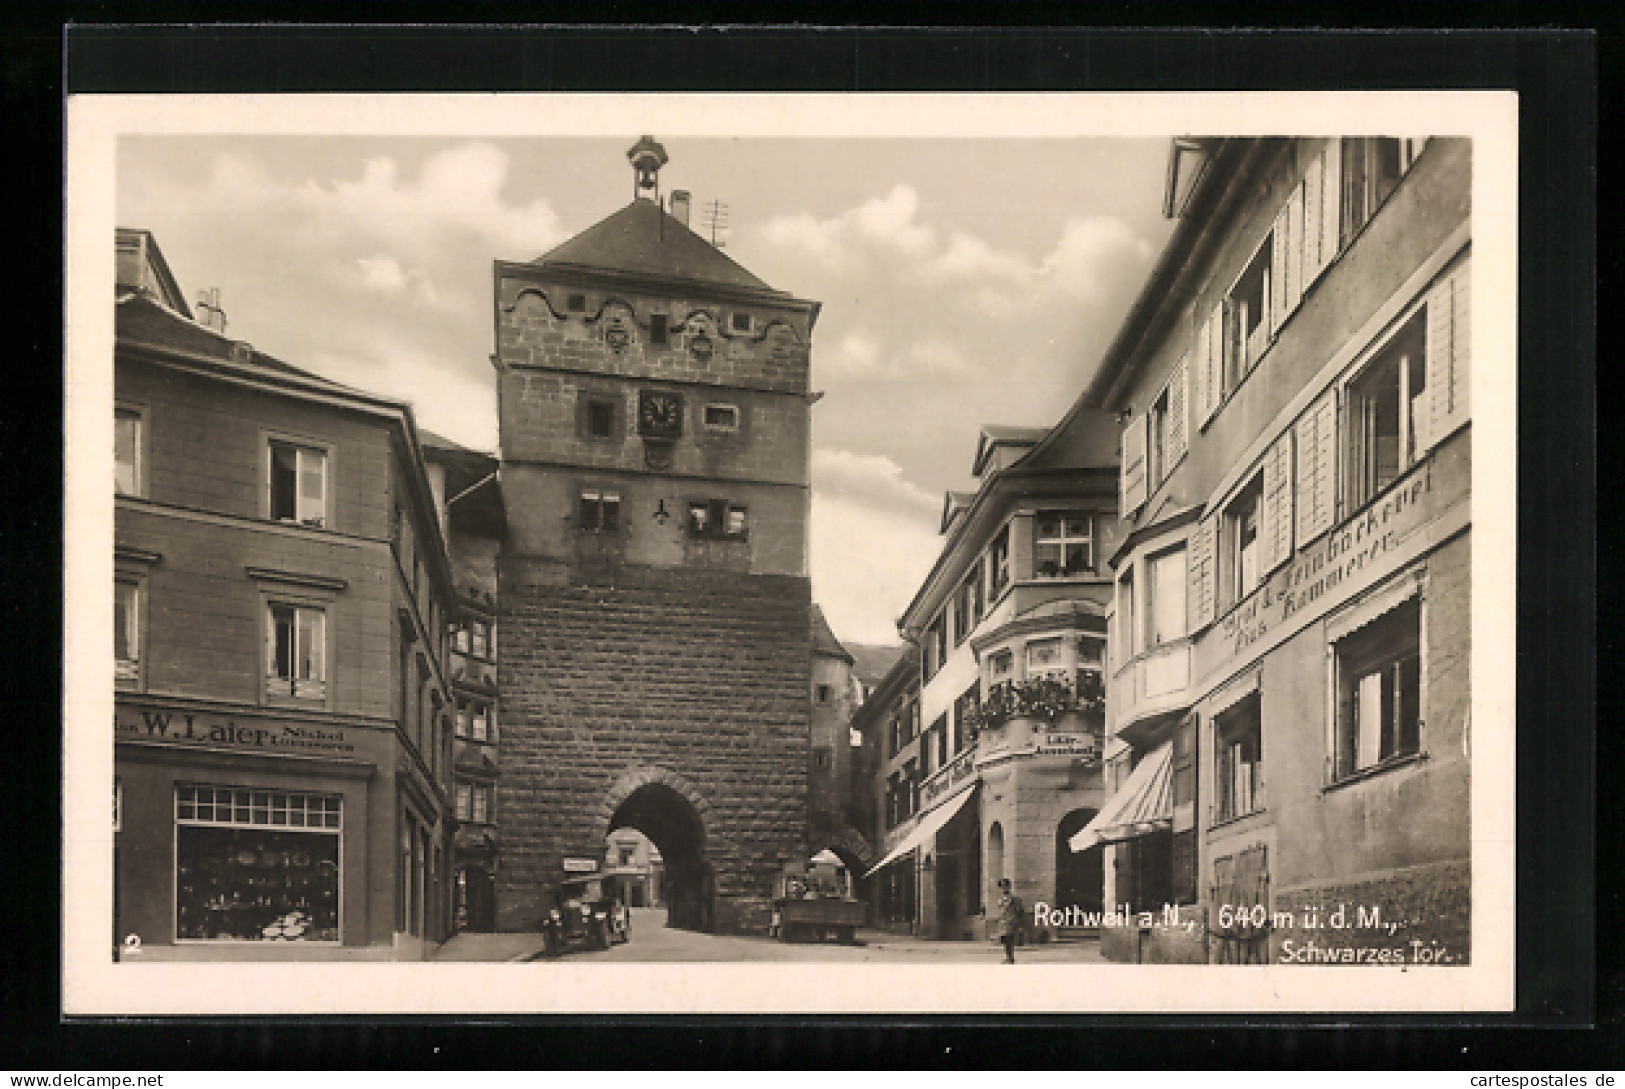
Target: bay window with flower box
x,y
1063,544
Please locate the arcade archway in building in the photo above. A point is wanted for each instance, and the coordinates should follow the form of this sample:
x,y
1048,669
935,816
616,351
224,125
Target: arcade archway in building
x,y
671,814
1079,875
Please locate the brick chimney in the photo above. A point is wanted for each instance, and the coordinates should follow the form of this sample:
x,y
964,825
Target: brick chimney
x,y
209,313
679,206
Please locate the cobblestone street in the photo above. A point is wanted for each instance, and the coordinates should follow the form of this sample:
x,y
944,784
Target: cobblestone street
x,y
653,941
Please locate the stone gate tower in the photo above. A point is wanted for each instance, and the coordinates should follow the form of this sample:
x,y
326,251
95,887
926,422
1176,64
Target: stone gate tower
x,y
654,632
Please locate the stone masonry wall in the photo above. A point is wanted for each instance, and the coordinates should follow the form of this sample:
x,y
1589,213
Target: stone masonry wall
x,y
699,674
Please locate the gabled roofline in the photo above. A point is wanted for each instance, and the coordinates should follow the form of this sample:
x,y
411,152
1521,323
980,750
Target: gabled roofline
x,y
952,503
986,444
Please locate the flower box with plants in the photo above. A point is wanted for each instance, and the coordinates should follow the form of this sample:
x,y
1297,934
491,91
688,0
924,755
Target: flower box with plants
x,y
1044,699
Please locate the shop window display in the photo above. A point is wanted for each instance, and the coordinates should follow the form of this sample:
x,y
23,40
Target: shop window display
x,y
254,865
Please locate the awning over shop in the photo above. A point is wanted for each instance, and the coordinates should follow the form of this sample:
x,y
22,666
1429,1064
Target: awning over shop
x,y
929,826
1142,805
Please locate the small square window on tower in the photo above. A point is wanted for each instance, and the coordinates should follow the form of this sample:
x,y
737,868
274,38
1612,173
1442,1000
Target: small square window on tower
x,y
577,302
601,419
722,417
741,322
600,511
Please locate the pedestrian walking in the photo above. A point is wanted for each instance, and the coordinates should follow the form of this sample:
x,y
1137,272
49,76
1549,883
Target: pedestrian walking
x,y
1010,919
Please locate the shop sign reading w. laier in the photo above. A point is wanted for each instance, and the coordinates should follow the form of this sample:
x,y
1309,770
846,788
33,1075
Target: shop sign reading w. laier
x,y
204,729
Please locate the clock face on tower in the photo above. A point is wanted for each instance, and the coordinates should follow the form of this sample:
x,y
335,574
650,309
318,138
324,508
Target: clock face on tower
x,y
660,415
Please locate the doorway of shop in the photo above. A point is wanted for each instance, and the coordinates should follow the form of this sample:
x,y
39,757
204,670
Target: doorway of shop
x,y
474,900
1080,876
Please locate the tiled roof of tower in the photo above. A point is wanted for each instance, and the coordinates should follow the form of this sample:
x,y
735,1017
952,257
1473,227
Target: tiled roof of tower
x,y
641,238
824,642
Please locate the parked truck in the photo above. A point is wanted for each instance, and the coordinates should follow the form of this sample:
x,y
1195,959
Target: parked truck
x,y
813,901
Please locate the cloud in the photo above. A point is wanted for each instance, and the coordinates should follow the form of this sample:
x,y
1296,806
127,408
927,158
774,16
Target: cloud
x,y
384,275
457,190
908,301
1093,252
968,256
870,478
872,540
449,400
859,355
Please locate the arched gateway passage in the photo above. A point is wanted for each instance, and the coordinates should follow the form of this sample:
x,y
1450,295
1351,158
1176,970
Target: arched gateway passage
x,y
667,810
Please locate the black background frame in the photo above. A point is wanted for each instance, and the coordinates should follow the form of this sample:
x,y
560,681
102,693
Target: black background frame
x,y
1557,74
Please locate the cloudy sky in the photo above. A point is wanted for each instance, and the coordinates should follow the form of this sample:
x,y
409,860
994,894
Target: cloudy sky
x,y
963,282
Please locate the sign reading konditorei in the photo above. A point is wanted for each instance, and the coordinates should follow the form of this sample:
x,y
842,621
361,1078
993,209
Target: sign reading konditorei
x,y
205,728
1353,556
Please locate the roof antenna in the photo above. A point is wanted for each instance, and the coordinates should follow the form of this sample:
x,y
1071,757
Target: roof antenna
x,y
716,214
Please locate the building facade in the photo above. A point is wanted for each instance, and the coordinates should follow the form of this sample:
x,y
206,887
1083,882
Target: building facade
x,y
994,753
282,748
835,822
653,607
468,494
1287,684
887,724
636,865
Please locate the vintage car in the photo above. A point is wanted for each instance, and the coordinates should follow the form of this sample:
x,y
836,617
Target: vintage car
x,y
584,912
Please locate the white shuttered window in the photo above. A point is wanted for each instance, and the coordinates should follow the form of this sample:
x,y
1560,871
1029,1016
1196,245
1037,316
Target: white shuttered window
x,y
1133,472
1315,435
1448,354
1203,555
1276,537
1178,413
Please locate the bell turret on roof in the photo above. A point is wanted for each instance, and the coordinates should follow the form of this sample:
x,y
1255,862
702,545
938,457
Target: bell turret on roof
x,y
646,157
